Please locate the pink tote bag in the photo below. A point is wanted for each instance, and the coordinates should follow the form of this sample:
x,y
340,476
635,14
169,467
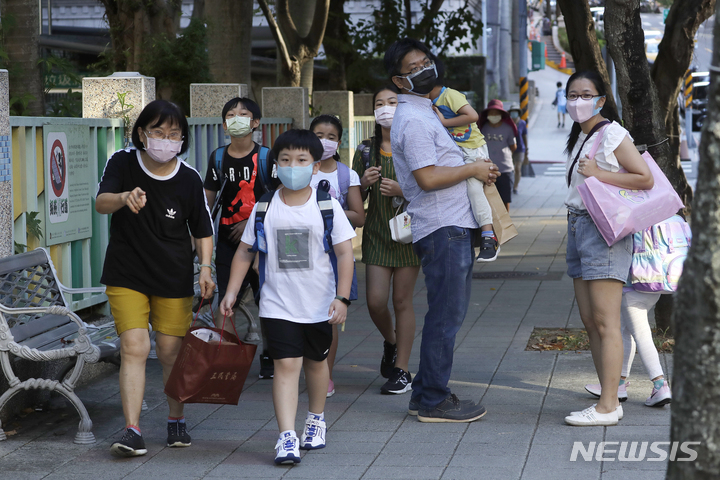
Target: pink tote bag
x,y
619,212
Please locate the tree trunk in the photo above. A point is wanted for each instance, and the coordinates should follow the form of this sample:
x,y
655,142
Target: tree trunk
x,y
674,57
337,44
302,16
133,23
294,50
198,8
20,32
696,410
229,40
584,46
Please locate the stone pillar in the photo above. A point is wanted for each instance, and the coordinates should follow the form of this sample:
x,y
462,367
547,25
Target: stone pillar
x,y
103,96
208,99
284,102
363,105
341,104
6,204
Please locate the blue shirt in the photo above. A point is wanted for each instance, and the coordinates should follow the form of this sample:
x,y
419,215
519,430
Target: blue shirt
x,y
419,140
522,130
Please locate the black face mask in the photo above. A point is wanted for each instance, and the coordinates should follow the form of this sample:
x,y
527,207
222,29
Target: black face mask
x,y
422,82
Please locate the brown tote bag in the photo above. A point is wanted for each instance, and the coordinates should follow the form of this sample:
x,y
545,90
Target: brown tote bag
x,y
210,372
502,223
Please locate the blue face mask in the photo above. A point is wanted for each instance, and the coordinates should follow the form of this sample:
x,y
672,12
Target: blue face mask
x,y
295,178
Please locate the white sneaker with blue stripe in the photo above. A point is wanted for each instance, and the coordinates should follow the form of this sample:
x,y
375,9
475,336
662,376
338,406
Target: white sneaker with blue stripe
x,y
313,436
286,449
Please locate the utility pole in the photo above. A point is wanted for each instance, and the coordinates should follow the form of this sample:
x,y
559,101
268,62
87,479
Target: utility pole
x,y
522,58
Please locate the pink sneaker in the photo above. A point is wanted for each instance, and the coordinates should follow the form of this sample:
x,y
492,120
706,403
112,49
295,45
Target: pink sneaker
x,y
659,398
331,389
595,389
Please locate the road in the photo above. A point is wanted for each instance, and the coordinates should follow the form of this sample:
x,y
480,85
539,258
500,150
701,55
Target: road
x,y
703,48
547,140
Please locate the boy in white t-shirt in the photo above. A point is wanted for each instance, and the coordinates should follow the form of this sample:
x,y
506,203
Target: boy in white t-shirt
x,y
298,297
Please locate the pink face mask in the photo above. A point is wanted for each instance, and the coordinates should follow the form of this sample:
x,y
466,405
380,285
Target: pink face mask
x,y
162,151
384,115
329,148
581,110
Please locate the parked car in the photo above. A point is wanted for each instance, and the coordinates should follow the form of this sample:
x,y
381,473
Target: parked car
x,y
651,50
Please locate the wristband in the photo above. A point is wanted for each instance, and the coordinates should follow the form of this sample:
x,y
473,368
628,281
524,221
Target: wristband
x,y
206,265
343,300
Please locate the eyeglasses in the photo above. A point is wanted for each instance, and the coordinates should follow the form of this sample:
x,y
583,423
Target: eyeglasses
x,y
427,64
584,96
160,135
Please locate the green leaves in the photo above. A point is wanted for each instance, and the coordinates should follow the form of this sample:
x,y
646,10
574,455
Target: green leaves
x,y
440,31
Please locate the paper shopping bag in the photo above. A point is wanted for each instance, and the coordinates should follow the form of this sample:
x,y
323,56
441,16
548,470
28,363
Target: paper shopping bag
x,y
502,223
210,371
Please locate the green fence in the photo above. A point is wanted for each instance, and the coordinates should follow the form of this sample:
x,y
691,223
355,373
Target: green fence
x,y
78,263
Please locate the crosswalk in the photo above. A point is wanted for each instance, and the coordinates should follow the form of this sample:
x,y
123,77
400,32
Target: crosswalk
x,y
558,169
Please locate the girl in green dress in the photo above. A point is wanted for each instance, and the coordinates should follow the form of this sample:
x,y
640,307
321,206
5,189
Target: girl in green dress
x,y
387,260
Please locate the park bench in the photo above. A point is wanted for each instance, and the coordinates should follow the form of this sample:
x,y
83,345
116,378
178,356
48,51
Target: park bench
x,y
37,324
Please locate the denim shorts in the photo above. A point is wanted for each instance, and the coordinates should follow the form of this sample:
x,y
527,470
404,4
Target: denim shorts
x,y
588,255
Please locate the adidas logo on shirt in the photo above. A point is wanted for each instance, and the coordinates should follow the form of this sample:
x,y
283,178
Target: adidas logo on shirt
x,y
171,213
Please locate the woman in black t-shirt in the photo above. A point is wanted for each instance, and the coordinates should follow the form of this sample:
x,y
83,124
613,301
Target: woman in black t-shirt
x,y
157,202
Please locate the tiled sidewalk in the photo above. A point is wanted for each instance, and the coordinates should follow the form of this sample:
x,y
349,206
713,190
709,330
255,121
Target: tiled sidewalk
x,y
370,436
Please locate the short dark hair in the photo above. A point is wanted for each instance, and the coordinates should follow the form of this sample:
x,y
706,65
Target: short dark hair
x,y
558,84
297,139
249,105
397,51
440,68
155,114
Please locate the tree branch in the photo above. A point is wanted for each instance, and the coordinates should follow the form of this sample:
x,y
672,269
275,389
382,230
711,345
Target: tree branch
x,y
314,38
584,46
676,49
279,40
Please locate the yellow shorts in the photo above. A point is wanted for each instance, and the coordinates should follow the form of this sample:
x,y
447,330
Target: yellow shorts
x,y
132,309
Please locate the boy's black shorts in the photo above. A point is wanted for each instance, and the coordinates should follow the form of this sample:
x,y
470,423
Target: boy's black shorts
x,y
288,339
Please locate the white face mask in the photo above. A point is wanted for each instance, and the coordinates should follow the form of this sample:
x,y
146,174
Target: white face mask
x,y
494,118
384,115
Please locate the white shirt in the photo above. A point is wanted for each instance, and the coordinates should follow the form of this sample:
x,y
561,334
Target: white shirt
x,y
605,157
334,181
299,281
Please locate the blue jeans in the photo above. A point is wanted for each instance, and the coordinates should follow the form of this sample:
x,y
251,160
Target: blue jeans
x,y
447,259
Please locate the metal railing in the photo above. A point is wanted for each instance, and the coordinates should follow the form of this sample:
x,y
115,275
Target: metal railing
x,y
207,135
364,128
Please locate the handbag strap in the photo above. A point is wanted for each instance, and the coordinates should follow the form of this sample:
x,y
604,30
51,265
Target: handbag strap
x,y
395,222
597,127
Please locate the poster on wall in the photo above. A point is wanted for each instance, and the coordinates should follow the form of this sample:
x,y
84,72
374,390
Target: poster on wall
x,y
68,183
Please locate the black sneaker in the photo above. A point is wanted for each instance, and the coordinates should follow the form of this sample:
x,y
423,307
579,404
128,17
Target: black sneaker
x,y
400,382
267,367
388,361
177,435
489,249
414,406
130,445
452,410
